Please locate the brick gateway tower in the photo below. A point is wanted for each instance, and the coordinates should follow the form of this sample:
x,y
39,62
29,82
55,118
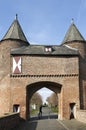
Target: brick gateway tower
x,y
26,68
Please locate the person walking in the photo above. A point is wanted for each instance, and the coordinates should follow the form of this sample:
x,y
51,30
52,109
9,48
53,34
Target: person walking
x,y
40,111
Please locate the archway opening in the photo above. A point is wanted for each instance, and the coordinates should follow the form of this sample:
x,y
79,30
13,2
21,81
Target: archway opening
x,y
45,93
44,102
36,87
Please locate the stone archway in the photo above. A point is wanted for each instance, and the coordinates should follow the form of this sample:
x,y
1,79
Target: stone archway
x,y
32,88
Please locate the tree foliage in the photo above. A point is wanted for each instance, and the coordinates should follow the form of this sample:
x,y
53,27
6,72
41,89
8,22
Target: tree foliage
x,y
52,100
36,99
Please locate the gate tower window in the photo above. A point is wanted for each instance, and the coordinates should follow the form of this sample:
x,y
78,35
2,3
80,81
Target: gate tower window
x,y
48,49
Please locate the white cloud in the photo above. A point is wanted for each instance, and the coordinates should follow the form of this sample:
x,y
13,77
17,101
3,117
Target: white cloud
x,y
44,92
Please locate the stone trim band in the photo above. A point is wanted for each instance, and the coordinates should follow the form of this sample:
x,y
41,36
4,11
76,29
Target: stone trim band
x,y
58,75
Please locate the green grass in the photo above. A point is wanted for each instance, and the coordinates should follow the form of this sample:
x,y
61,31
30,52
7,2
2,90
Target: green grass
x,y
34,112
54,109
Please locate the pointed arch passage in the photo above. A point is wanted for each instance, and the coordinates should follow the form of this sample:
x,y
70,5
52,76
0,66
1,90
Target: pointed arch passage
x,y
32,88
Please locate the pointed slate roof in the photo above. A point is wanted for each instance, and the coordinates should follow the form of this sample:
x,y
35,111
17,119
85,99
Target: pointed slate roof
x,y
73,34
15,32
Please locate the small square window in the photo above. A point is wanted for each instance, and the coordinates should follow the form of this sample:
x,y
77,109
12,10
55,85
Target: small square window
x,y
48,49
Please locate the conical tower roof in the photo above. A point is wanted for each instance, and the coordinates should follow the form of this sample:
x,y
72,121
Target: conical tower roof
x,y
73,34
15,32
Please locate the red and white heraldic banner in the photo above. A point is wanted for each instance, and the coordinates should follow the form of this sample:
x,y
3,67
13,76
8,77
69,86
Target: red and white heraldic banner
x,y
16,65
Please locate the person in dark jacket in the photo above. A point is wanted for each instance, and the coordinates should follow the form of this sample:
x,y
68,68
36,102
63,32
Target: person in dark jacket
x,y
40,111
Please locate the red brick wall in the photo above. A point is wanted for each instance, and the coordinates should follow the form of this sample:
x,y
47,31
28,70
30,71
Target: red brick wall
x,y
81,46
81,115
49,65
60,70
43,69
5,87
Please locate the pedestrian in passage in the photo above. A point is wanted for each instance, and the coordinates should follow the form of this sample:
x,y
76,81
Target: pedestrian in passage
x,y
40,111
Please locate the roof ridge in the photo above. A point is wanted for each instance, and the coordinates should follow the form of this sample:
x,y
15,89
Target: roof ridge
x,y
69,47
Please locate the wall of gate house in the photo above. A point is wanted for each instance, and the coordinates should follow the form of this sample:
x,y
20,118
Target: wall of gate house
x,y
81,46
5,88
61,70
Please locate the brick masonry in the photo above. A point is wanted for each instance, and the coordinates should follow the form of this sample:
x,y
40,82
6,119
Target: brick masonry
x,y
61,71
81,115
64,75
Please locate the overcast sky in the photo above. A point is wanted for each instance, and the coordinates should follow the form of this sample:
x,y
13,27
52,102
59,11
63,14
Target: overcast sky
x,y
43,21
44,92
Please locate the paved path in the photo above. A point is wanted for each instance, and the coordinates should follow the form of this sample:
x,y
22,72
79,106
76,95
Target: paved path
x,y
49,121
51,124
